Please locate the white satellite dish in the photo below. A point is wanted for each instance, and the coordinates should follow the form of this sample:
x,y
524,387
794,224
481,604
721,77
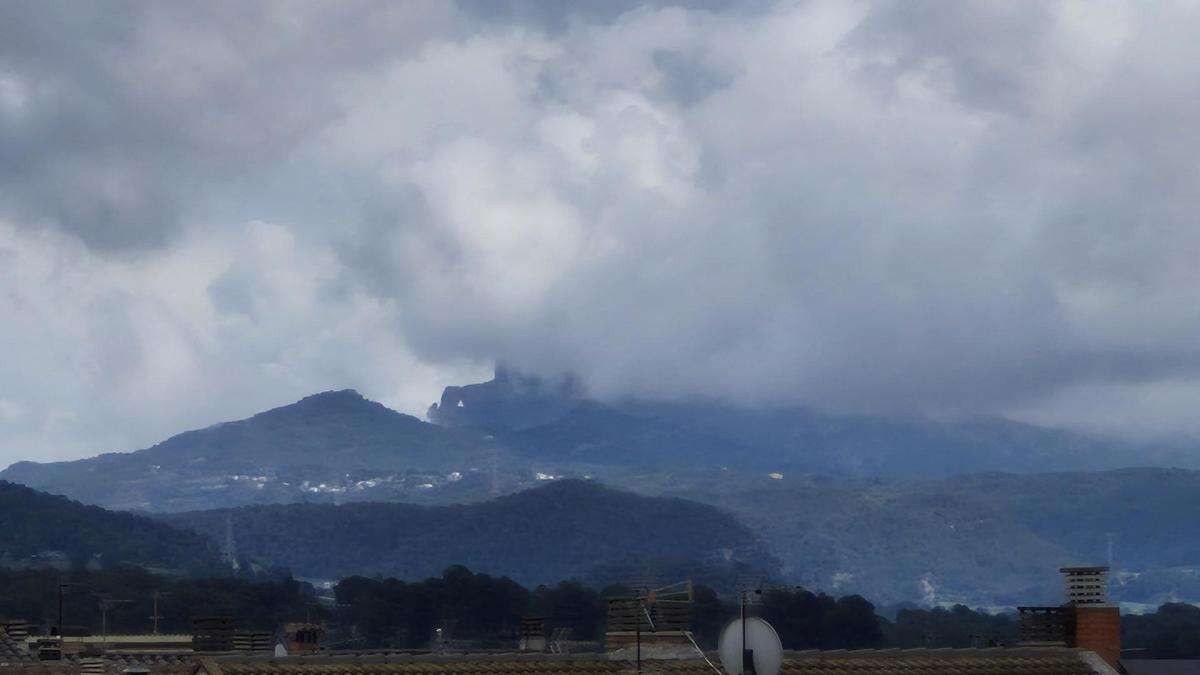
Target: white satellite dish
x,y
765,653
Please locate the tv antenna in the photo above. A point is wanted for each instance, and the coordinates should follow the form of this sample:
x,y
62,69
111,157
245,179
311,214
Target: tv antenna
x,y
107,602
156,616
63,586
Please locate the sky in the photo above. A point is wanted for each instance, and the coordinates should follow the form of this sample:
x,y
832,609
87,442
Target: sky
x,y
212,208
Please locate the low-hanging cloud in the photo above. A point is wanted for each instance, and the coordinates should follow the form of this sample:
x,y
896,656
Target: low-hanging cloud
x,y
898,207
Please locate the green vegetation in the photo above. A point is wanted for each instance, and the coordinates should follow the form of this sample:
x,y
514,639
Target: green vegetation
x,y
38,529
958,627
564,529
32,594
806,620
1172,632
986,539
486,611
391,613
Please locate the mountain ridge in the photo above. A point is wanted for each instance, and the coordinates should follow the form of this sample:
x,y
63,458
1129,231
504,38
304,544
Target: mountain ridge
x,y
281,454
37,529
562,529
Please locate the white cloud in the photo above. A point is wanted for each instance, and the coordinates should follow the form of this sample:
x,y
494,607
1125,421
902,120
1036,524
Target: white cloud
x,y
882,206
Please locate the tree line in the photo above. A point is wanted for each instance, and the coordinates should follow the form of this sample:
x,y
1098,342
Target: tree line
x,y
486,611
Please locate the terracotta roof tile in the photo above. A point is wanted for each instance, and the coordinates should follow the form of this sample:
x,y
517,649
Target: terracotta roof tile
x,y
992,661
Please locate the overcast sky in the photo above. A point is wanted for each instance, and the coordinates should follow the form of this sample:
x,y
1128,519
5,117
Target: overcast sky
x,y
210,208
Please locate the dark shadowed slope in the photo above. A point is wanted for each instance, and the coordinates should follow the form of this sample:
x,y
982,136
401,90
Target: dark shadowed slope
x,y
565,529
324,444
38,529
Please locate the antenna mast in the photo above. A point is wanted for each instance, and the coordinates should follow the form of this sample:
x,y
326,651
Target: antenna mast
x,y
156,616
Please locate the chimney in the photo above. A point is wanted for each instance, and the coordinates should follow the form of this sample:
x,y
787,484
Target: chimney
x,y
1097,622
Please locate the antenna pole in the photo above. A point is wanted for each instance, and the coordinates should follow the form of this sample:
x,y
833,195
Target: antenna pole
x,y
747,654
637,627
155,617
744,632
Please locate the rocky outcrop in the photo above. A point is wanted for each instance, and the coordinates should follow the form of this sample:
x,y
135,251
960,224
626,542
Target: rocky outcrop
x,y
508,401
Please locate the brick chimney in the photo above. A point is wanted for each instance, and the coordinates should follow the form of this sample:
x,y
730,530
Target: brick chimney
x,y
1097,624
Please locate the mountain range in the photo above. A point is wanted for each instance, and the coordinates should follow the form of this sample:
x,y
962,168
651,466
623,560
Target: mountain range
x,y
501,436
900,509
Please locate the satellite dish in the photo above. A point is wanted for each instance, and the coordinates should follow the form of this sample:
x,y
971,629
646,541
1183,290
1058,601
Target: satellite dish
x,y
764,652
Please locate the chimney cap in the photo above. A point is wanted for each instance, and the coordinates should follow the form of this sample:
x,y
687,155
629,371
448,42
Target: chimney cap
x,y
1084,569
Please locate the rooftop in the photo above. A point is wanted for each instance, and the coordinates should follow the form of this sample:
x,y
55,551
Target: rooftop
x,y
991,661
988,661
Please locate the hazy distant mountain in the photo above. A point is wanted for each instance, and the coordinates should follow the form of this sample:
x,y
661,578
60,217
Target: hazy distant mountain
x,y
501,436
995,539
38,529
553,423
335,445
565,529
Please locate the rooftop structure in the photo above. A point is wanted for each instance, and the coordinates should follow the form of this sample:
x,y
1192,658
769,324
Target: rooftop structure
x,y
1086,585
1084,621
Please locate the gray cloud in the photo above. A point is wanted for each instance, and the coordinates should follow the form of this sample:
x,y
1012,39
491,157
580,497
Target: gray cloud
x,y
976,208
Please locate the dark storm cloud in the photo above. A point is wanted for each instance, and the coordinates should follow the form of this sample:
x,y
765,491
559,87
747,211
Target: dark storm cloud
x,y
130,112
918,207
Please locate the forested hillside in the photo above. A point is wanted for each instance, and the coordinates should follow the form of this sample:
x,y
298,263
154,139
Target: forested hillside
x,y
994,539
562,530
39,529
32,594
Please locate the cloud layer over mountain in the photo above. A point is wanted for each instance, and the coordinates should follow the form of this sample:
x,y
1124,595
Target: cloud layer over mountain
x,y
208,208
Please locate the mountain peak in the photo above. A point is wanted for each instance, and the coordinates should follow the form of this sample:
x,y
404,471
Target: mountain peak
x,y
333,401
335,395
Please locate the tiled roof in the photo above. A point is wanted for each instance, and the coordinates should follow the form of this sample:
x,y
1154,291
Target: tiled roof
x,y
12,650
134,638
995,661
1161,666
991,661
114,664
